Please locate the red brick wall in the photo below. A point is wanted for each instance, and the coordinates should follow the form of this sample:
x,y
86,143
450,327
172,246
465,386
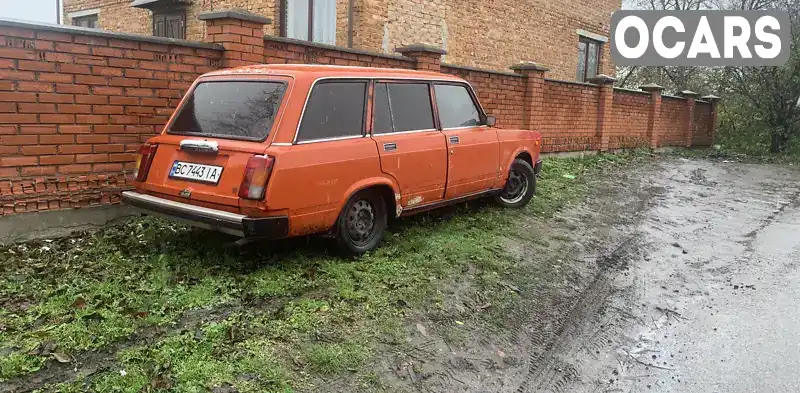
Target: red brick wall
x,y
74,109
501,95
569,121
629,115
282,50
75,105
671,131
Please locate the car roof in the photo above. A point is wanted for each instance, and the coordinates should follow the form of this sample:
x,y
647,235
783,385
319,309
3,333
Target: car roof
x,y
319,71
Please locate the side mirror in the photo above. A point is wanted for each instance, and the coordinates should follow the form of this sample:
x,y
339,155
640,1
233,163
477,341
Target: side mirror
x,y
491,121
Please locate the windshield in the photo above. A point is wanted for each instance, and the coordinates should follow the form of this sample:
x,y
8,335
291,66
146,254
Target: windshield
x,y
238,110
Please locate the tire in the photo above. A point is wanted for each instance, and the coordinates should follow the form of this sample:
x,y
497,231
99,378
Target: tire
x,y
520,186
362,223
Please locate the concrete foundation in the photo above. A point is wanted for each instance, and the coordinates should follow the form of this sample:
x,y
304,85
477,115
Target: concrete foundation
x,y
55,223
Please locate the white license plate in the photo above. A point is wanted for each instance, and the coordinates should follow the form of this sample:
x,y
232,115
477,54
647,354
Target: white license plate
x,y
196,172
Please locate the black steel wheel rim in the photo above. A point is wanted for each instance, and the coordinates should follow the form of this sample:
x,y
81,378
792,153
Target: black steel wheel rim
x,y
516,187
361,222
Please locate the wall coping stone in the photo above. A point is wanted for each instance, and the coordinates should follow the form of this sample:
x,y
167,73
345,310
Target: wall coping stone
x,y
234,14
622,89
673,97
475,69
689,94
318,45
105,34
420,48
570,82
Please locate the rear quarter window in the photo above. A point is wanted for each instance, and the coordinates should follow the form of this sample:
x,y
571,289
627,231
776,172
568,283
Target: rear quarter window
x,y
230,109
335,109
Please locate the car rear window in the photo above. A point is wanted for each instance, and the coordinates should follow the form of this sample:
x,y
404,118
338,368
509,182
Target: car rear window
x,y
235,109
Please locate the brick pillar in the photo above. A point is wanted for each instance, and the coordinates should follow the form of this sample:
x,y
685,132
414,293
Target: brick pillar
x,y
653,114
606,85
428,57
240,33
712,131
688,120
534,92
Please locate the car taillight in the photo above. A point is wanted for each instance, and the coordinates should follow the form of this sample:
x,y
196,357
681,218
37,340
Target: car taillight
x,y
144,160
256,174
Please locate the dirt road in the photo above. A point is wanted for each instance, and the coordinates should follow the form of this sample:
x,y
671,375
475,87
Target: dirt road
x,y
678,276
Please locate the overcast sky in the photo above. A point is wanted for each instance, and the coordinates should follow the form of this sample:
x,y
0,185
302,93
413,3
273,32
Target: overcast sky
x,y
34,10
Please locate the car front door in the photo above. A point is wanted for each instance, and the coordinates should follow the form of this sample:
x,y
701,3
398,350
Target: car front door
x,y
473,149
412,150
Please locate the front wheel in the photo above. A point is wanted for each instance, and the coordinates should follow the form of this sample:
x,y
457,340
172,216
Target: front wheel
x,y
520,186
361,223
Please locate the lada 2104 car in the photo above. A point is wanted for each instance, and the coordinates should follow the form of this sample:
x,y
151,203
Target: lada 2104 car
x,y
274,151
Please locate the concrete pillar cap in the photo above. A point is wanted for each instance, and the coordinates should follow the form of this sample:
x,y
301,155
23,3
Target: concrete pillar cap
x,y
234,14
651,87
602,79
710,98
420,48
529,66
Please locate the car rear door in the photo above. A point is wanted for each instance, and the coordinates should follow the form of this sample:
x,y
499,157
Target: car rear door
x,y
330,154
218,127
411,149
473,148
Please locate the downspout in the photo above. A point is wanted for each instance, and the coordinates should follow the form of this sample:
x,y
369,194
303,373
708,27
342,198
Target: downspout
x,y
350,6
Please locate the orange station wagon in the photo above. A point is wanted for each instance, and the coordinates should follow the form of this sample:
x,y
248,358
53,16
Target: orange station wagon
x,y
274,151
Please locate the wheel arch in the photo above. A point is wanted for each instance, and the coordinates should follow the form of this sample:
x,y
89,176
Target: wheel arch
x,y
520,152
526,156
386,187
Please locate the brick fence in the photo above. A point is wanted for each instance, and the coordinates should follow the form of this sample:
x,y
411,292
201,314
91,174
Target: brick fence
x,y
75,104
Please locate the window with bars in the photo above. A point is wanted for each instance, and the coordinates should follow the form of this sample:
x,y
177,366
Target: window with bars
x,y
170,24
588,58
89,21
309,20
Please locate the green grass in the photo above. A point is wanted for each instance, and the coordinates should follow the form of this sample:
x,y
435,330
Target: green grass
x,y
334,358
279,316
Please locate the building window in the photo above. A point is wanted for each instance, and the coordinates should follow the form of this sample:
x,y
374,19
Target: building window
x,y
588,58
169,24
309,20
89,21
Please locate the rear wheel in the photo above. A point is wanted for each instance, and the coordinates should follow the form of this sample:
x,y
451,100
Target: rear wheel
x,y
361,223
520,186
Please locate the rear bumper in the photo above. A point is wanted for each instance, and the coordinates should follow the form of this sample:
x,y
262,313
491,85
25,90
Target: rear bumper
x,y
203,217
537,167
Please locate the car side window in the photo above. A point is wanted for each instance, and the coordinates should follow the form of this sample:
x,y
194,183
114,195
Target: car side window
x,y
456,107
335,109
402,107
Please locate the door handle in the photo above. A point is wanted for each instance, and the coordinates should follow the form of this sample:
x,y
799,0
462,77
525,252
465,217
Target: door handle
x,y
454,140
390,146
